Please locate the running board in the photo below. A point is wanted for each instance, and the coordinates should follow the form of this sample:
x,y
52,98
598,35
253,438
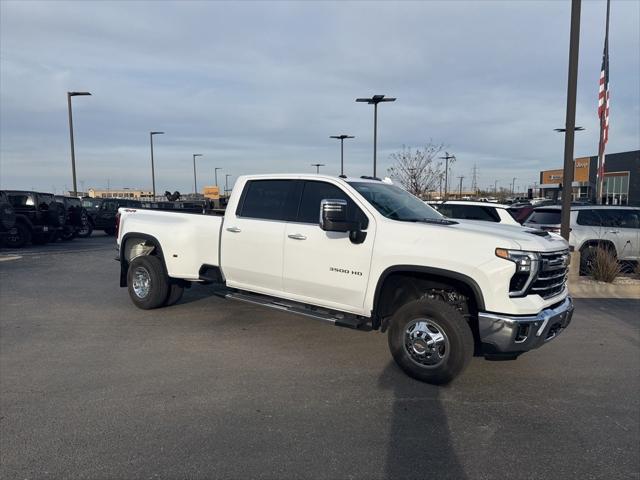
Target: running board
x,y
337,318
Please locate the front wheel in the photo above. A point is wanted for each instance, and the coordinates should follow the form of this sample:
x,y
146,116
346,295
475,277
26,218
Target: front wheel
x,y
18,236
147,283
430,340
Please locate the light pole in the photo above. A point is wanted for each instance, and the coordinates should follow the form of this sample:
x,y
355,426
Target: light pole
x,y
341,138
513,185
375,100
73,154
153,173
446,158
226,182
570,119
215,174
195,181
317,165
461,178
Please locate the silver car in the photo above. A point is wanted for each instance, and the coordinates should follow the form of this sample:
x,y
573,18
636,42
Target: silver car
x,y
611,227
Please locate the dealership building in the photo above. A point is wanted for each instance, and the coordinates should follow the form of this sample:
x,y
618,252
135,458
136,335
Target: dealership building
x,y
621,179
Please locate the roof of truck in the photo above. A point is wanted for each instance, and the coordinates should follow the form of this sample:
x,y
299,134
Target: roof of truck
x,y
313,176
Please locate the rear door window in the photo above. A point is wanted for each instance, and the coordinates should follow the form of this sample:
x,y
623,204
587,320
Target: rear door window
x,y
630,219
268,200
589,218
617,218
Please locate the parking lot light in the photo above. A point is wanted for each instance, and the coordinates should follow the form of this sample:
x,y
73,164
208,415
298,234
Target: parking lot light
x,y
341,138
153,175
195,180
73,154
375,100
215,174
317,165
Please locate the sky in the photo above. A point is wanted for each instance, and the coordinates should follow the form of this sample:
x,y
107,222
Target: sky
x,y
258,87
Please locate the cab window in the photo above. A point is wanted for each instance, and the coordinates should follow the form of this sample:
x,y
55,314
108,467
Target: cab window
x,y
268,200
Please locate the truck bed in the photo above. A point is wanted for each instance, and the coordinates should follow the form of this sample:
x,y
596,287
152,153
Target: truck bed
x,y
188,241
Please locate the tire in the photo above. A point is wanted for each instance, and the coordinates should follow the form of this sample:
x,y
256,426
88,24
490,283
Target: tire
x,y
19,238
425,319
147,283
174,295
586,259
86,230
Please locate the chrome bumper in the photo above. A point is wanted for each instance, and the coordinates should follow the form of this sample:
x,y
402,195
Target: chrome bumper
x,y
509,333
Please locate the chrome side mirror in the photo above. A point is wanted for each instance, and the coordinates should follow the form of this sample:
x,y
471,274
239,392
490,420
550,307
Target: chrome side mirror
x,y
333,216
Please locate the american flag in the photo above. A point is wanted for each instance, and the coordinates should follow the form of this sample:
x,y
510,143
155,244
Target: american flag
x,y
603,100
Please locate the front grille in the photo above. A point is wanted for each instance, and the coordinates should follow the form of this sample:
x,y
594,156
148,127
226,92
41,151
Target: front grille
x,y
552,274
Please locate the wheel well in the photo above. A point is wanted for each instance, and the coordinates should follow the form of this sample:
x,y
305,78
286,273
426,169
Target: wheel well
x,y
135,245
606,244
399,288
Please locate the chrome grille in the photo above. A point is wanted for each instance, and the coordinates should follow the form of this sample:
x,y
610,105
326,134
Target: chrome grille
x,y
552,274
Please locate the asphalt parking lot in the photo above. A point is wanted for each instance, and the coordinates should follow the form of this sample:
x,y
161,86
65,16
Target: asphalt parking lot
x,y
92,387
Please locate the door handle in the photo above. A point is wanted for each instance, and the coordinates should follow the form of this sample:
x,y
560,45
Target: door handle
x,y
297,236
233,230
614,231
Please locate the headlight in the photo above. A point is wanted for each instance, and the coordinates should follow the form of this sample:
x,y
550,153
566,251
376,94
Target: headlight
x,y
526,269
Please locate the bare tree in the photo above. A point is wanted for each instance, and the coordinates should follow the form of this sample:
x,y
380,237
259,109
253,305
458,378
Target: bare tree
x,y
417,170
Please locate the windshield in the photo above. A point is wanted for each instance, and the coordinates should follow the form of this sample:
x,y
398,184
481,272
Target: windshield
x,y
397,204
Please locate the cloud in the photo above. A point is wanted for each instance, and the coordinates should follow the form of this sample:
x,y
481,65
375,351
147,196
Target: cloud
x,y
259,87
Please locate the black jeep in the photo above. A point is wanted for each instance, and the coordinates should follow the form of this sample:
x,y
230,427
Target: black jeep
x,y
102,212
38,218
75,217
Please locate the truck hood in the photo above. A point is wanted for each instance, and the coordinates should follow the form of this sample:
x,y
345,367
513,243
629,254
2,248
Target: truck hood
x,y
526,238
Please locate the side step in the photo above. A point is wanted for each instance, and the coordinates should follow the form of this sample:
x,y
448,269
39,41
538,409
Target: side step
x,y
340,319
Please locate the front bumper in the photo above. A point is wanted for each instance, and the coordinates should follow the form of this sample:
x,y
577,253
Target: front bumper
x,y
514,334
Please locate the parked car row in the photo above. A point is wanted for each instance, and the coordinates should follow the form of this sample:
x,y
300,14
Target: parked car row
x,y
614,228
31,217
39,218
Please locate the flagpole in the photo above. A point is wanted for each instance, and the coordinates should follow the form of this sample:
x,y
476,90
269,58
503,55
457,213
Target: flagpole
x,y
603,113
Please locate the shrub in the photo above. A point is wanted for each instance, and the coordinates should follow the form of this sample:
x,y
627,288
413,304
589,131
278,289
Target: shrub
x,y
604,265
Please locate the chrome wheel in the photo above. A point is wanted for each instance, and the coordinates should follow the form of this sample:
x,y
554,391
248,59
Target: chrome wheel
x,y
141,282
426,343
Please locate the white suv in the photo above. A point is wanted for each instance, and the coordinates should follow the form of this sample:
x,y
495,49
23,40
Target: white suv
x,y
611,227
480,211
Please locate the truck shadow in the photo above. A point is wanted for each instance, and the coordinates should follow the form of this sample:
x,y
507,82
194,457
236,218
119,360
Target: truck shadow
x,y
420,444
196,293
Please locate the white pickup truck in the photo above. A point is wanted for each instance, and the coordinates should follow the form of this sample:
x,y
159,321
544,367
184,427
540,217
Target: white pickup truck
x,y
361,253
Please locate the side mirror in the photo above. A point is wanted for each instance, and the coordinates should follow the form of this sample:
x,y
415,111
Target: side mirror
x,y
333,216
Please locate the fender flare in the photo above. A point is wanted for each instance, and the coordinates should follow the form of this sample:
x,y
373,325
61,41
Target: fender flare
x,y
440,272
124,265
